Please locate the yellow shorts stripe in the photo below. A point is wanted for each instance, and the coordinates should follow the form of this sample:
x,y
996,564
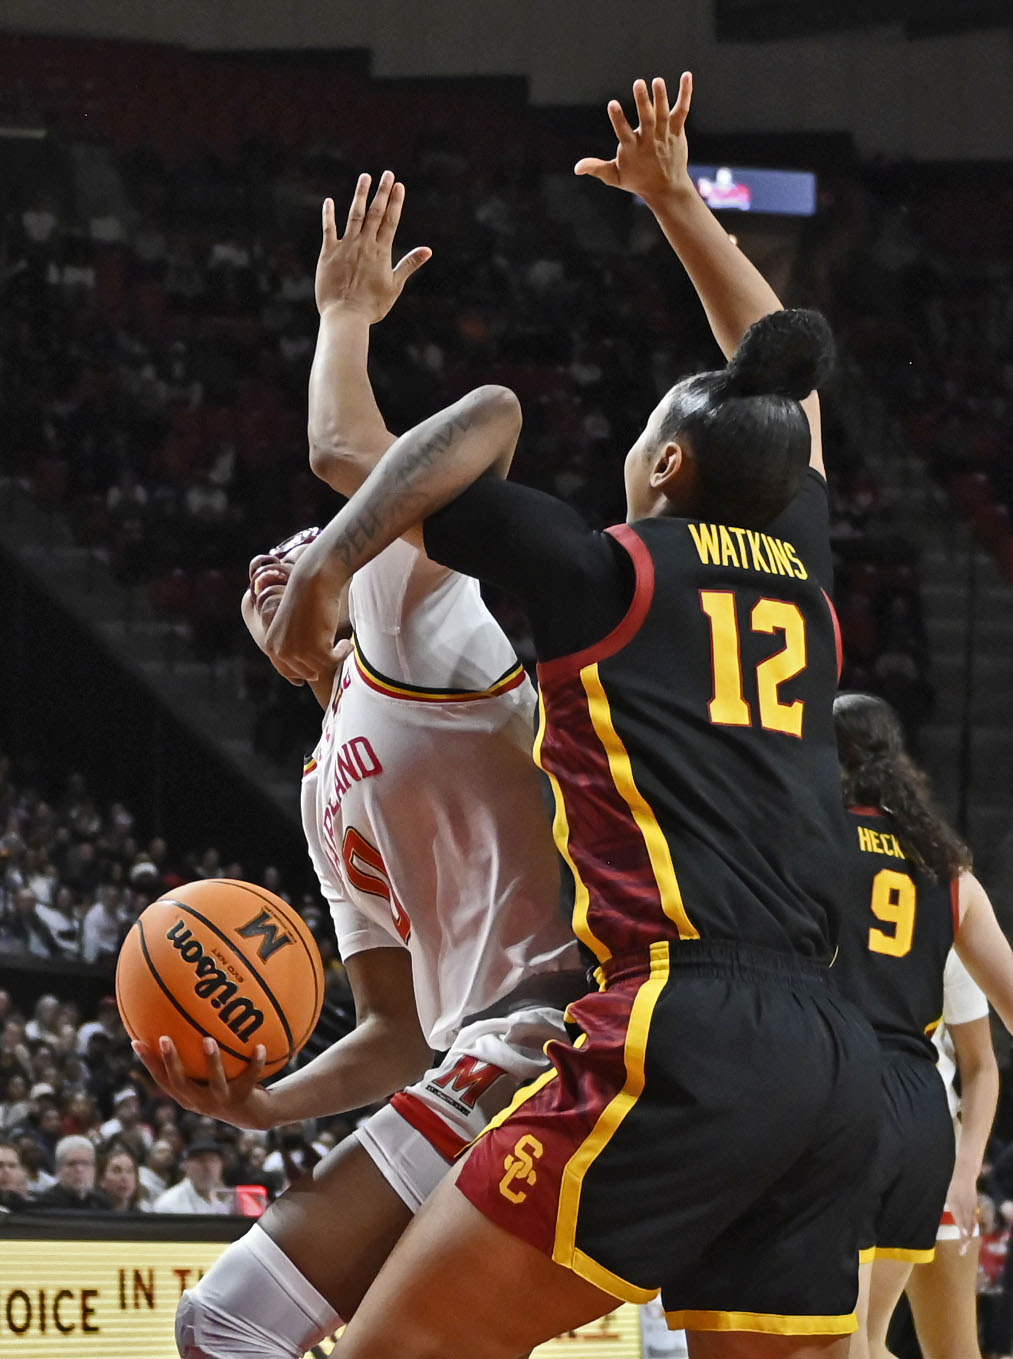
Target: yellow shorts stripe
x,y
565,1250
913,1257
768,1323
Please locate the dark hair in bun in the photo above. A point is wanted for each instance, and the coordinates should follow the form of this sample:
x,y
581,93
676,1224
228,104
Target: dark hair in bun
x,y
744,424
878,772
788,353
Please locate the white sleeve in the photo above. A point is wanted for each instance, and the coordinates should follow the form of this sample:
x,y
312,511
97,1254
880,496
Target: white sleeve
x,y
385,593
354,931
420,624
963,998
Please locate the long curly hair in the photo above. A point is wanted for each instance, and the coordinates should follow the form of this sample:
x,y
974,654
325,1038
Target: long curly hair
x,y
877,771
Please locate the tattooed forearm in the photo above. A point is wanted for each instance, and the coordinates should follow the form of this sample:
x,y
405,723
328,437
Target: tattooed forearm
x,y
423,470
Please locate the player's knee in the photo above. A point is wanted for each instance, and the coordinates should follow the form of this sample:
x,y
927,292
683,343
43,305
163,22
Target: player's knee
x,y
252,1304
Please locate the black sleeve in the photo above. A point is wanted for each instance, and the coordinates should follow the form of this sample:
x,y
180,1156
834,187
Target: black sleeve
x,y
806,525
575,584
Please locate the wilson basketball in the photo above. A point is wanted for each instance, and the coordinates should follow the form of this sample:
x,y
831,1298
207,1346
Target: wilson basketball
x,y
226,959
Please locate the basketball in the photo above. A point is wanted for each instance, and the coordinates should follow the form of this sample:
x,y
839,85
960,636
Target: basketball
x,y
225,959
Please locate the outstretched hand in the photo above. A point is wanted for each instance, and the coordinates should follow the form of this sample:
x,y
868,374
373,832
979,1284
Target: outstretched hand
x,y
652,159
242,1102
356,270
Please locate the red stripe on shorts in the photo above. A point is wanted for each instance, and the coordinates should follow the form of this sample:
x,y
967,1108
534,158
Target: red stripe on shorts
x,y
447,1142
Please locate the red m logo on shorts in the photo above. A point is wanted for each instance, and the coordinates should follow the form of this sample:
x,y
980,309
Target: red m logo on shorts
x,y
468,1078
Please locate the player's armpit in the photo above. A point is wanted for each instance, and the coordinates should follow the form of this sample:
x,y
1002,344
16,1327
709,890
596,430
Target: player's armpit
x,y
983,947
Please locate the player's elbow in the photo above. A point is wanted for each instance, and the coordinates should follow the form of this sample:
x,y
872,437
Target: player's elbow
x,y
327,457
342,465
500,404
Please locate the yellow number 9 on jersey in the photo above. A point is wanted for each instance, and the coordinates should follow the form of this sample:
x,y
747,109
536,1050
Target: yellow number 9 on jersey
x,y
894,902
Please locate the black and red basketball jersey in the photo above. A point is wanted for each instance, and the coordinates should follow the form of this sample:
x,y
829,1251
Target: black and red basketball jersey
x,y
692,751
897,928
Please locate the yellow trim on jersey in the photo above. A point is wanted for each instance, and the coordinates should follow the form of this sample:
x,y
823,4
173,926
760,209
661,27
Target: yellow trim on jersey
x,y
658,850
931,1028
561,835
911,1257
375,680
309,766
768,1323
866,1255
564,1249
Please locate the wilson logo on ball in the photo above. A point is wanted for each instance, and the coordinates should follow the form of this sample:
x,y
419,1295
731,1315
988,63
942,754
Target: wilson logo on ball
x,y
238,1013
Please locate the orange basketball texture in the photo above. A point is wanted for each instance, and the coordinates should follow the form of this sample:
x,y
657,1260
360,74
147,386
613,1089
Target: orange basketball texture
x,y
223,958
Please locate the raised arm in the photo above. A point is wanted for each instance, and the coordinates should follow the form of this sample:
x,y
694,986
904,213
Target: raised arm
x,y
652,161
421,472
356,286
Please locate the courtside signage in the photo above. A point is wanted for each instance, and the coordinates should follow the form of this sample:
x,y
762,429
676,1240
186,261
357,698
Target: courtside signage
x,y
117,1299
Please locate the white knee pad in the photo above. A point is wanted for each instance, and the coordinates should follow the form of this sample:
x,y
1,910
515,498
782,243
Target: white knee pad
x,y
253,1304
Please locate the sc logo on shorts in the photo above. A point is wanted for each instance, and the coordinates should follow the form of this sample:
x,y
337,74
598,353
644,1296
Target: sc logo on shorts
x,y
520,1165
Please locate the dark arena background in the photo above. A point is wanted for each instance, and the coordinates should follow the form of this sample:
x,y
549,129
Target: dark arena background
x,y
161,174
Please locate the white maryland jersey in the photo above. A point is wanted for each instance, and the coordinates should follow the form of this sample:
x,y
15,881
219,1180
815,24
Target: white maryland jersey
x,y
423,812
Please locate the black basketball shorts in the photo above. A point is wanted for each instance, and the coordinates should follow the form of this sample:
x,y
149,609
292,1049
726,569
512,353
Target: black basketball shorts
x,y
911,1171
703,1137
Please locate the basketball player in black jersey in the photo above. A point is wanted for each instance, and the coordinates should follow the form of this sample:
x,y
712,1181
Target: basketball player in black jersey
x,y
703,1135
910,897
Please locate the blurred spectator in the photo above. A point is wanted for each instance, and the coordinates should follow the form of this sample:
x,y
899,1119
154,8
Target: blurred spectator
x,y
59,916
104,927
201,1190
294,1154
41,1028
118,1177
38,1178
106,1023
75,1173
14,1196
16,1105
22,929
156,1172
13,1048
126,1125
80,1115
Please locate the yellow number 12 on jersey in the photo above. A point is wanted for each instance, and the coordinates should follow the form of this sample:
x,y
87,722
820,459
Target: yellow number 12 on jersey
x,y
728,707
